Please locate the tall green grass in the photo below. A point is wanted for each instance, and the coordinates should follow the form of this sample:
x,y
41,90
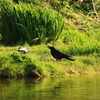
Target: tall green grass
x,y
28,23
81,43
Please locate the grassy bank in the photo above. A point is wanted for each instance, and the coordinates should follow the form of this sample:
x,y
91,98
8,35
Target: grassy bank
x,y
70,29
15,64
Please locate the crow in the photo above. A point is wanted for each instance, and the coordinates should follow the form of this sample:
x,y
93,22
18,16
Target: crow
x,y
23,50
58,55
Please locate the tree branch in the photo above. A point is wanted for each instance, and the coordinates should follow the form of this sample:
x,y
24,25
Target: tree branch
x,y
97,16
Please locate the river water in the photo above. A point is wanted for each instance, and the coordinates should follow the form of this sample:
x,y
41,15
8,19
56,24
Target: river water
x,y
69,88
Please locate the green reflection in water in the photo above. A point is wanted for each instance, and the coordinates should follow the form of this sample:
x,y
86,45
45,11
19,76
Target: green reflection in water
x,y
71,88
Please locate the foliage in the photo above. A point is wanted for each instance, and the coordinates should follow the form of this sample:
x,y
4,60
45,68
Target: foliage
x,y
35,22
15,64
81,43
28,23
18,65
19,57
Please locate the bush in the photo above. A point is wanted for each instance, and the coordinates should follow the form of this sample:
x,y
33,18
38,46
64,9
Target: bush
x,y
28,23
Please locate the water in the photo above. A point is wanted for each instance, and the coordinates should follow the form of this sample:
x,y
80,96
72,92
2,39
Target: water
x,y
70,88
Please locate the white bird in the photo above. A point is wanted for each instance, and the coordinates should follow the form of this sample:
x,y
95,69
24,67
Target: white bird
x,y
23,50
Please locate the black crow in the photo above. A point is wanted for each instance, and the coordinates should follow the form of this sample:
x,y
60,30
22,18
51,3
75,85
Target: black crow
x,y
23,50
58,55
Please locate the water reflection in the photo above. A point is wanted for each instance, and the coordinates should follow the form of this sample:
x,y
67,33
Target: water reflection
x,y
70,88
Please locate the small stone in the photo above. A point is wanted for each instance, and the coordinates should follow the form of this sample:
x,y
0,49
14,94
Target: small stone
x,y
33,73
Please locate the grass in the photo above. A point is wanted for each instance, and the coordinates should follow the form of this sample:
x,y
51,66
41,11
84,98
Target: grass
x,y
69,30
15,64
26,22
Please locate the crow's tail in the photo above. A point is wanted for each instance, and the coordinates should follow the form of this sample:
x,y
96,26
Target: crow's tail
x,y
70,59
